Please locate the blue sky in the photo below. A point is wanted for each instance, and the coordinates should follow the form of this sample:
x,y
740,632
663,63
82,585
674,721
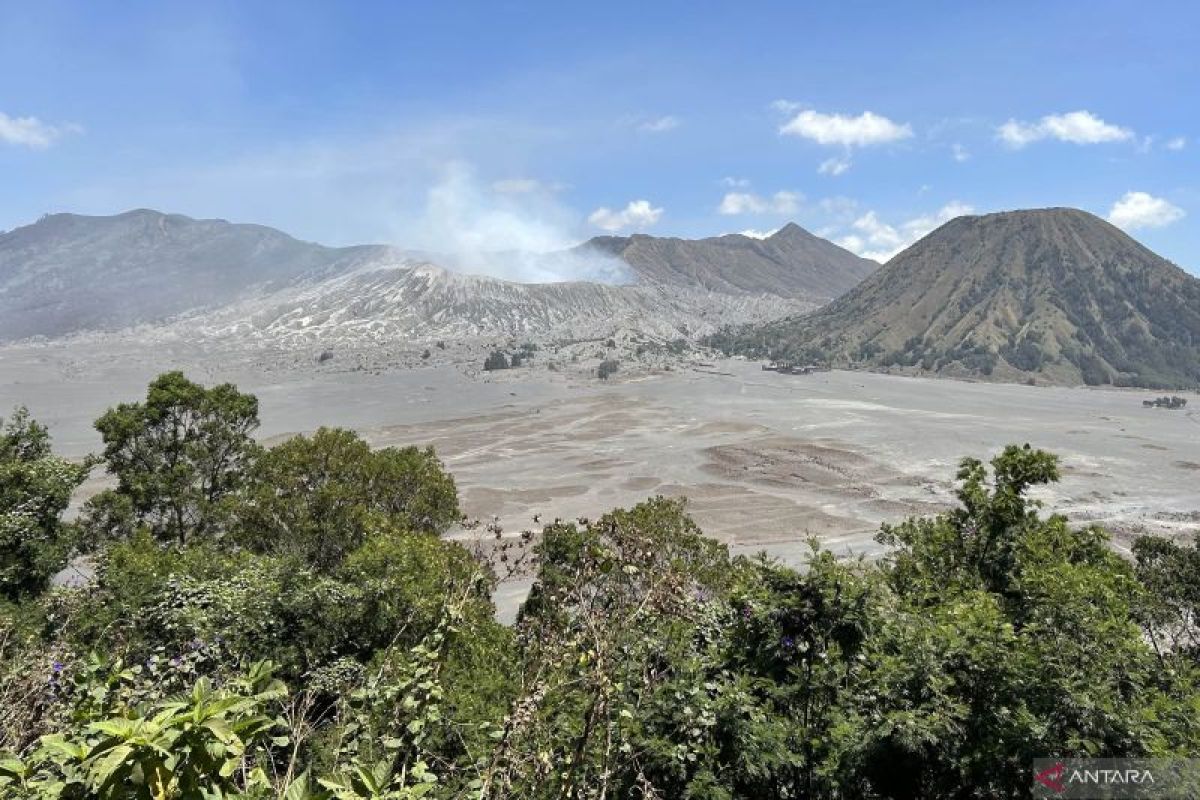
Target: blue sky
x,y
497,125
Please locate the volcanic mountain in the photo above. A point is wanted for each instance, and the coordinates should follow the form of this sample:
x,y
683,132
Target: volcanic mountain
x,y
790,263
69,274
1054,295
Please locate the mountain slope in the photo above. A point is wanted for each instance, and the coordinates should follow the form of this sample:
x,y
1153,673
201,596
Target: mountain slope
x,y
68,273
386,299
790,263
1054,294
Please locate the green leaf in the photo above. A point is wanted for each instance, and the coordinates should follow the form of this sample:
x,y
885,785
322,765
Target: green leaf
x,y
104,769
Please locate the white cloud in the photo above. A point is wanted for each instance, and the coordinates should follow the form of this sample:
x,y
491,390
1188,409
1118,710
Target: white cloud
x,y
735,183
786,202
959,152
638,214
734,203
742,203
786,106
1141,210
757,234
1178,143
875,239
866,129
659,125
1076,127
834,166
31,132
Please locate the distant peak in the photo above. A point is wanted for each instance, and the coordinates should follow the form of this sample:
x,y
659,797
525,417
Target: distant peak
x,y
790,231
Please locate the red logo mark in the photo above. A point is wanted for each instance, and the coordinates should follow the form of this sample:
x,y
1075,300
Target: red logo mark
x,y
1052,778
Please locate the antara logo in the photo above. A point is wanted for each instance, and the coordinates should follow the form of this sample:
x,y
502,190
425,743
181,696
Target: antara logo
x,y
1074,779
1052,778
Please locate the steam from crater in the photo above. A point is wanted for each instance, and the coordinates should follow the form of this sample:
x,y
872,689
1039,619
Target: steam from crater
x,y
516,229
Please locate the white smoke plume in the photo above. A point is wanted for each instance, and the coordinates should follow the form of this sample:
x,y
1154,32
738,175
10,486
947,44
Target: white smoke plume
x,y
491,228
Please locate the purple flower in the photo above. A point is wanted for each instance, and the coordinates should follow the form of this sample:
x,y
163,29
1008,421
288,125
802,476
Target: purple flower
x,y
57,667
788,642
176,661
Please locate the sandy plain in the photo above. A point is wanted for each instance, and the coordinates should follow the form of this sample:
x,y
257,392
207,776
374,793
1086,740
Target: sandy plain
x,y
765,460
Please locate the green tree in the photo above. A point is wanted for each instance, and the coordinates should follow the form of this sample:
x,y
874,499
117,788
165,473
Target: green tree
x,y
23,438
1013,635
318,496
175,457
1170,607
613,615
35,490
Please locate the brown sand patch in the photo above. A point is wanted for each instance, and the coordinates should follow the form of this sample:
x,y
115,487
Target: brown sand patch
x,y
781,462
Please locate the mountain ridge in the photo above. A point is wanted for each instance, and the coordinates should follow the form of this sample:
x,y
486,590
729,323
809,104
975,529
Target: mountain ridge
x,y
791,262
72,273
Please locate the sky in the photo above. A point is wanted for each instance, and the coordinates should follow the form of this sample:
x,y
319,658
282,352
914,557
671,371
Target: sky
x,y
495,126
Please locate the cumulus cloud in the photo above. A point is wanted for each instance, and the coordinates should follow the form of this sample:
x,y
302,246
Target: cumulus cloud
x,y
31,132
734,203
1076,127
1141,210
637,214
864,130
659,124
878,240
1178,143
834,166
735,183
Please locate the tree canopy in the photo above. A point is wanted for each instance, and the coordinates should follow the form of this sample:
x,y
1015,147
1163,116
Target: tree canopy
x,y
176,455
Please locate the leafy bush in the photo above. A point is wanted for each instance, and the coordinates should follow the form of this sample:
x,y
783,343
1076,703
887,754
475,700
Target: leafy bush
x,y
318,497
35,490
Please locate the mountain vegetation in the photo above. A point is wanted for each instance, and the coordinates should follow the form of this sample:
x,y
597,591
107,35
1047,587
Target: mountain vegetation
x,y
287,622
1052,295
